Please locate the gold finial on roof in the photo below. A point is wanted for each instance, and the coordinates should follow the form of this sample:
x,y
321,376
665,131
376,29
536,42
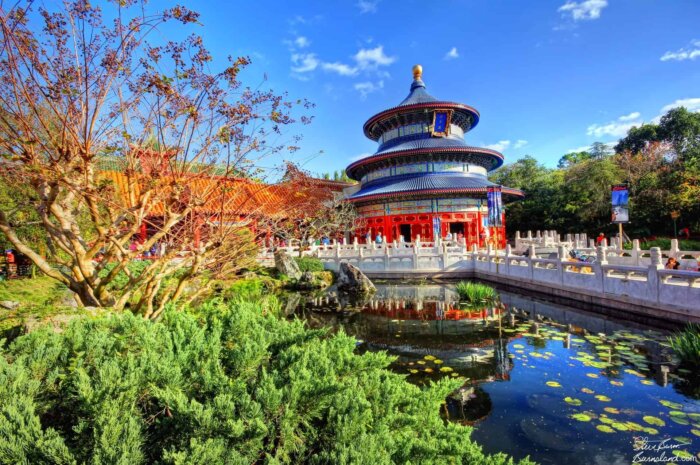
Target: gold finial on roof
x,y
417,72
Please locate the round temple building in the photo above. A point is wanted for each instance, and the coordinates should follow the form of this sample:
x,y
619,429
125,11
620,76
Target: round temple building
x,y
425,179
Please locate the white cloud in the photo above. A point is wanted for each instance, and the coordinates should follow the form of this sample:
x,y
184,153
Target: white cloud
x,y
367,87
499,146
584,148
691,104
340,68
302,42
585,10
372,58
520,143
615,129
632,116
452,54
367,6
304,62
690,53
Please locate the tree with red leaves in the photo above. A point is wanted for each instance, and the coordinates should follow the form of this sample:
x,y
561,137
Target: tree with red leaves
x,y
81,88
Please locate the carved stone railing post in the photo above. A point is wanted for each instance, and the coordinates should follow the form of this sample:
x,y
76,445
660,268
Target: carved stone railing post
x,y
602,254
674,251
415,253
636,251
653,278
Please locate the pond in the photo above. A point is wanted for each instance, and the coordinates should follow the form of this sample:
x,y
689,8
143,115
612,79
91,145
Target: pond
x,y
542,380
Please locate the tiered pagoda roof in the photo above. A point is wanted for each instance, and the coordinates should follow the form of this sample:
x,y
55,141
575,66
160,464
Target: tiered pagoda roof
x,y
406,135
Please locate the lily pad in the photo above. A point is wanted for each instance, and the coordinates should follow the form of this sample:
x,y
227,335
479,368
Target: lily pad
x,y
650,430
438,362
646,381
420,362
603,398
694,416
606,420
604,428
429,357
612,410
620,426
581,417
518,346
696,432
683,440
684,454
616,383
572,401
677,413
655,421
587,391
634,426
445,369
553,384
428,370
680,421
672,405
414,371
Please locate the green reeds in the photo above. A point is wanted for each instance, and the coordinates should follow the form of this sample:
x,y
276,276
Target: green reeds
x,y
476,293
687,344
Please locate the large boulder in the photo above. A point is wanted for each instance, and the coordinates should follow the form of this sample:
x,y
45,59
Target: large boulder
x,y
286,265
352,280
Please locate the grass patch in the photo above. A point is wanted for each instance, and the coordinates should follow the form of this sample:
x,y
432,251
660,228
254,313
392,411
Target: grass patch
x,y
476,293
37,291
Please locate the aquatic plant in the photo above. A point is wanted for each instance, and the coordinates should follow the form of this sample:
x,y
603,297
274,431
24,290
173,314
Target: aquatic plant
x,y
476,293
687,344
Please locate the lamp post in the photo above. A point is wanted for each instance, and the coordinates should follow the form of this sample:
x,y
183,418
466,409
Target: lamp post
x,y
674,216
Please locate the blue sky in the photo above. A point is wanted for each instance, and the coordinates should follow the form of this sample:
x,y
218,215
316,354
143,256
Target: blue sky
x,y
548,76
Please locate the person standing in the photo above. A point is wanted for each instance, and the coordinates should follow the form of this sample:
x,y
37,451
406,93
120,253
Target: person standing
x,y
600,239
379,238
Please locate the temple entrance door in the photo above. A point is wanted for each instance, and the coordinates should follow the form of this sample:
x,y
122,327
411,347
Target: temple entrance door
x,y
456,228
405,231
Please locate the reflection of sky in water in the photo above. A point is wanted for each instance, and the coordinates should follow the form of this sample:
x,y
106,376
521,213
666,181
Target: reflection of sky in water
x,y
507,397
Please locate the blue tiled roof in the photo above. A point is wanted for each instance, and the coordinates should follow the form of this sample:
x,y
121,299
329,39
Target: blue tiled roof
x,y
418,94
424,141
422,182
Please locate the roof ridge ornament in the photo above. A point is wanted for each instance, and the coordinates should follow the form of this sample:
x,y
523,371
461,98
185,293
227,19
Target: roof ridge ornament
x,y
417,72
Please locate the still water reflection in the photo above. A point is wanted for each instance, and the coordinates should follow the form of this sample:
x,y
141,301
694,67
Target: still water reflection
x,y
540,379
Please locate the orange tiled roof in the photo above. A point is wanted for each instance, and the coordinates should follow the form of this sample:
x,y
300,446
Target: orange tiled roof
x,y
235,196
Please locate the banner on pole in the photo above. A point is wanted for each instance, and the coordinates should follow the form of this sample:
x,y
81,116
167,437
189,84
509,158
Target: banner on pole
x,y
620,203
495,205
436,227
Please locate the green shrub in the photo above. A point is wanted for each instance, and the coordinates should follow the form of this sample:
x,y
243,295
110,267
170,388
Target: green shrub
x,y
233,385
476,293
687,344
309,264
665,244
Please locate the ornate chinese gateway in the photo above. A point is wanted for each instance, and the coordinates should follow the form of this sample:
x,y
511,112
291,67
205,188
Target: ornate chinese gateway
x,y
424,178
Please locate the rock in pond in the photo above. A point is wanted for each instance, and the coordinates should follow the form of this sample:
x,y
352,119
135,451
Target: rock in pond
x,y
352,280
286,265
